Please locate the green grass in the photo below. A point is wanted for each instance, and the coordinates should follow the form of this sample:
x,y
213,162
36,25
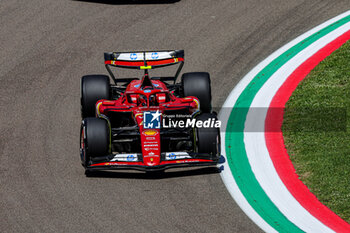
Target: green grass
x,y
317,131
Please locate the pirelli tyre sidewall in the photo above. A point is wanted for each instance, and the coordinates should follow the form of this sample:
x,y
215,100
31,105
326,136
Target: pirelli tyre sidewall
x,y
95,138
197,84
208,139
82,144
93,88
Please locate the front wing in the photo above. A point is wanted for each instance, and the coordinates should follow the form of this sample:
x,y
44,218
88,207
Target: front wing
x,y
192,160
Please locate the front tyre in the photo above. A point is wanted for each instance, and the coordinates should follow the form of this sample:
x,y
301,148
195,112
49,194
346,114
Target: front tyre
x,y
95,139
208,139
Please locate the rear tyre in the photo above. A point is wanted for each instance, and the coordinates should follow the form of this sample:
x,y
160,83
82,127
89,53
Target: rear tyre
x,y
208,139
197,84
97,139
93,88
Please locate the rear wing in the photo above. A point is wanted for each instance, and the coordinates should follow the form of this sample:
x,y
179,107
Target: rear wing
x,y
144,60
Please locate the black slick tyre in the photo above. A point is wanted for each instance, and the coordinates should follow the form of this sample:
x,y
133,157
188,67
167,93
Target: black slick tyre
x,y
208,139
197,84
97,137
93,88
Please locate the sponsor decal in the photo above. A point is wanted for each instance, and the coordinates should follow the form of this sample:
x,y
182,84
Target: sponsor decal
x,y
151,120
150,132
153,142
130,158
113,163
151,154
191,123
147,91
151,145
125,158
155,55
177,155
187,161
150,138
148,149
133,56
172,156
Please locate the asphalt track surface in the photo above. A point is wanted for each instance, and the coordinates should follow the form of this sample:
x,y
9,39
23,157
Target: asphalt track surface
x,y
46,46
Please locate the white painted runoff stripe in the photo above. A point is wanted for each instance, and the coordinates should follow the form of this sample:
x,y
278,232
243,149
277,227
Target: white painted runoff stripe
x,y
255,143
226,174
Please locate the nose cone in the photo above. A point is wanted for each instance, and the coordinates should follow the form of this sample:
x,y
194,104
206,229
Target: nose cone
x,y
151,158
150,142
150,138
152,162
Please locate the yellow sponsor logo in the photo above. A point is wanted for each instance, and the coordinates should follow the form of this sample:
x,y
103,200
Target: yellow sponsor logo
x,y
150,132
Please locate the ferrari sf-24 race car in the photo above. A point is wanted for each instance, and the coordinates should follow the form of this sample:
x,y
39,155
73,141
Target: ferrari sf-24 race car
x,y
147,124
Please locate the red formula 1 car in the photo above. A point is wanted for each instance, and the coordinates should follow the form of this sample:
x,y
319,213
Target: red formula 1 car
x,y
148,124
